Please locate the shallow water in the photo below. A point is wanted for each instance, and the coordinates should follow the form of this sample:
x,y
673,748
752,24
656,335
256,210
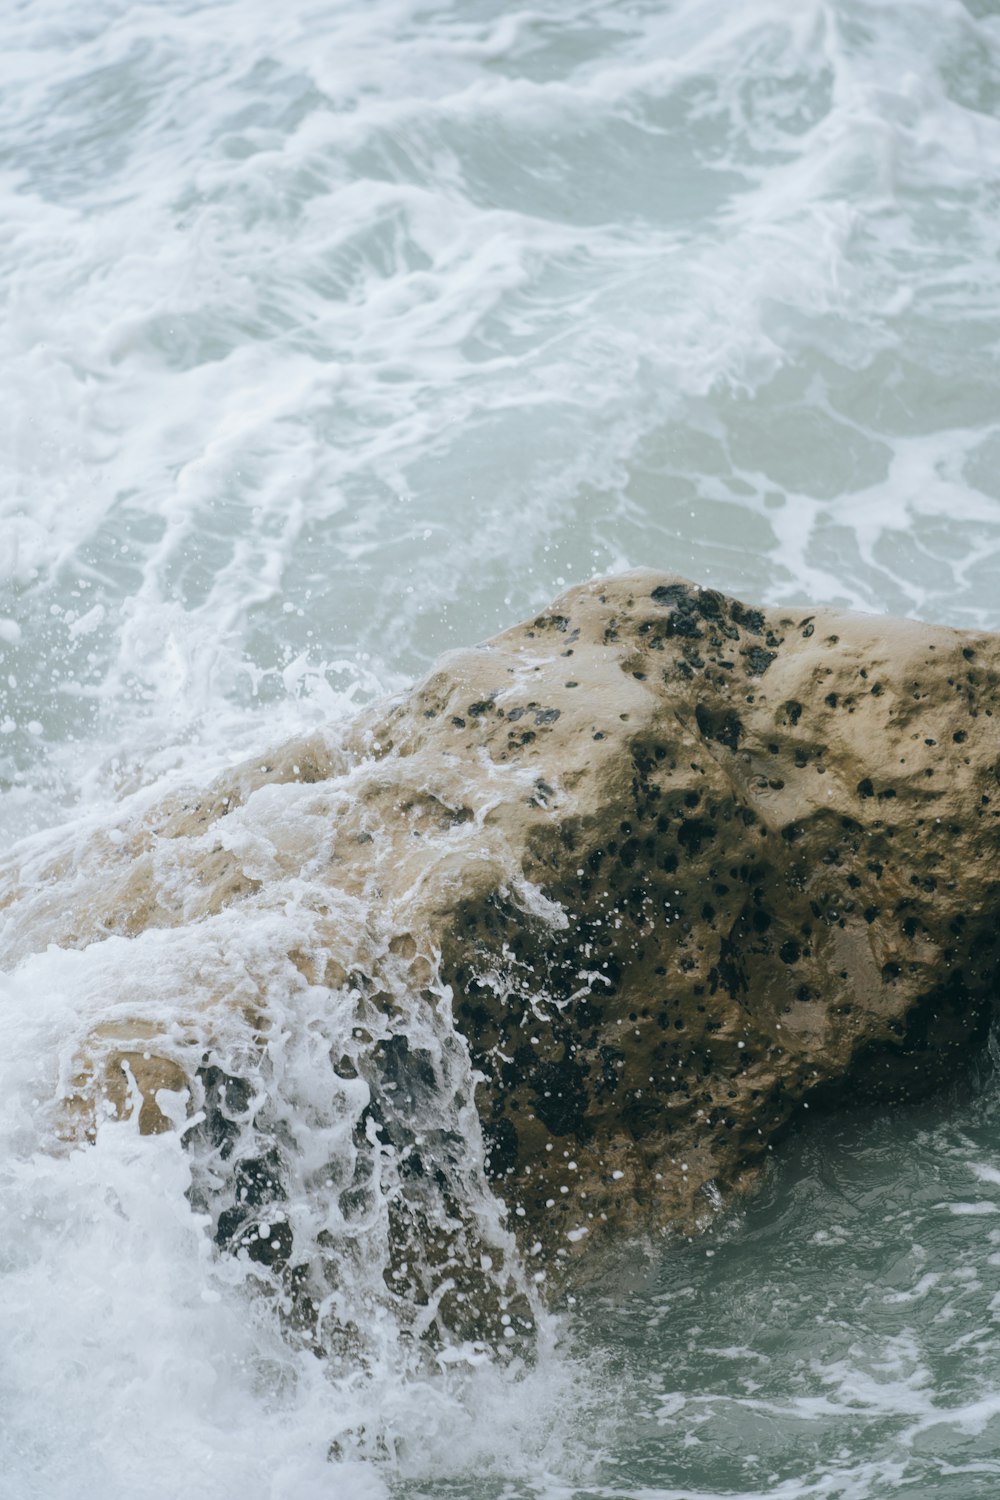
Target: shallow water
x,y
838,1339
335,335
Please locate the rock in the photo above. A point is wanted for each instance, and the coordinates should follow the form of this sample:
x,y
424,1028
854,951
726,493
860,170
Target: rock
x,y
686,866
760,849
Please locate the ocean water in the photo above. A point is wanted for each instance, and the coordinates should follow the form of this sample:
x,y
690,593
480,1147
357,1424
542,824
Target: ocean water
x,y
337,334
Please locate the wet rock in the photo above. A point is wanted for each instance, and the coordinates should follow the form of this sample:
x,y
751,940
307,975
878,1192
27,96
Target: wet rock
x,y
750,867
685,865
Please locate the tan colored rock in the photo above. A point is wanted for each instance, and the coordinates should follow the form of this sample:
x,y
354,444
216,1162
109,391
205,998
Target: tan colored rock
x,y
772,836
686,865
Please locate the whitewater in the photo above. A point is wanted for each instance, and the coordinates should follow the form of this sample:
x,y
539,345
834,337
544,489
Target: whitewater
x,y
338,335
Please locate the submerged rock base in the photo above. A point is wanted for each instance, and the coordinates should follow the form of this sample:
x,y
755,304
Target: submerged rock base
x,y
675,867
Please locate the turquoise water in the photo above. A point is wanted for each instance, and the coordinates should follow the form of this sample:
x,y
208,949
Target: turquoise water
x,y
335,335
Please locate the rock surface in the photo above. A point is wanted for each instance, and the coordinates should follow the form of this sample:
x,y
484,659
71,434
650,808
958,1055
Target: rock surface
x,y
770,838
687,866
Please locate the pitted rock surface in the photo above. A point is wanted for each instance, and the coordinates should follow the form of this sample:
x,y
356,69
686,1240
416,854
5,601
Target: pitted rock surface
x,y
773,835
687,865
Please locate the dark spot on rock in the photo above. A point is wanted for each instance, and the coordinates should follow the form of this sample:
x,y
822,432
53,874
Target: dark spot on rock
x,y
758,660
790,952
226,1100
865,788
547,716
629,853
684,625
671,594
476,710
709,604
558,1096
692,834
258,1179
724,727
683,619
731,970
794,712
750,619
267,1244
458,723
502,1145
